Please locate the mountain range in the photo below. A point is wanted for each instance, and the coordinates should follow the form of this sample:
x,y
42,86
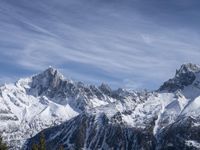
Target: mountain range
x,y
80,116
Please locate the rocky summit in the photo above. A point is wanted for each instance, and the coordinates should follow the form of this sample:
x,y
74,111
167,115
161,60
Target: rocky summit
x,y
79,116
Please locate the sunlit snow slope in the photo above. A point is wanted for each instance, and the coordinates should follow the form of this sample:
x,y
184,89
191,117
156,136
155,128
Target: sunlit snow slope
x,y
42,101
164,119
79,116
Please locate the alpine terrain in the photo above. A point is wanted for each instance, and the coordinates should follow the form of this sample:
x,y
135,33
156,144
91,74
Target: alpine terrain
x,y
78,116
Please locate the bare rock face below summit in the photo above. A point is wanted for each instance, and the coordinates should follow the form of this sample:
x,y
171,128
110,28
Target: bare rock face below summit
x,y
184,76
45,100
79,116
91,132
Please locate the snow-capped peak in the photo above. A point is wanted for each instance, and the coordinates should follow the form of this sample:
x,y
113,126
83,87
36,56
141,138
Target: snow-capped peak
x,y
49,77
189,67
47,99
50,73
184,77
47,82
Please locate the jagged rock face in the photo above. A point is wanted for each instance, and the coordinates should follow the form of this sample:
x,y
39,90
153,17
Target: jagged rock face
x,y
22,114
91,132
184,76
88,132
90,117
45,100
179,82
106,89
50,83
158,120
183,134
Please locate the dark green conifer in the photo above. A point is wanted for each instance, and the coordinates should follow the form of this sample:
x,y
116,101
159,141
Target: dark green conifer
x,y
35,147
42,142
3,146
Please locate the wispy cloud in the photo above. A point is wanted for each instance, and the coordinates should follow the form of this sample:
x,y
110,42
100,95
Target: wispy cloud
x,y
123,43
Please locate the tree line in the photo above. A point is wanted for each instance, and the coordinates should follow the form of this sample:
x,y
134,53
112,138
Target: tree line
x,y
41,145
3,145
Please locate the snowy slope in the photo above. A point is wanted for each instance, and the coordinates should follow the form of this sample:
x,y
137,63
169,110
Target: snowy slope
x,y
138,120
41,101
23,114
86,116
47,99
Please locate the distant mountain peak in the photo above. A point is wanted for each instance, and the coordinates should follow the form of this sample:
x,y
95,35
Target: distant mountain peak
x,y
52,72
49,75
188,67
105,88
89,113
185,76
47,80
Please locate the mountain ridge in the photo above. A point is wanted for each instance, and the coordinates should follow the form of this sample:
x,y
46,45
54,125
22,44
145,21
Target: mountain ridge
x,y
48,99
40,101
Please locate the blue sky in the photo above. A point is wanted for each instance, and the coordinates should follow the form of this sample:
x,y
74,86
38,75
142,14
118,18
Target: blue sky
x,y
126,43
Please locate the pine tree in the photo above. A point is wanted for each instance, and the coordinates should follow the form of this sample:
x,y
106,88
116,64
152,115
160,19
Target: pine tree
x,y
35,147
3,146
42,143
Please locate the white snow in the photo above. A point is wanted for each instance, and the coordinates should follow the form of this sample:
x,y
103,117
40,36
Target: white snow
x,y
193,108
96,102
22,114
192,143
28,114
